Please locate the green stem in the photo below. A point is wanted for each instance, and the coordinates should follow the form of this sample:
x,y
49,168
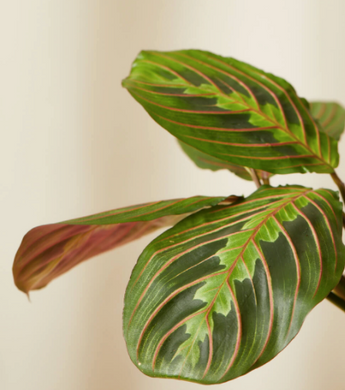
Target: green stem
x,y
265,176
254,176
339,289
336,301
339,184
337,296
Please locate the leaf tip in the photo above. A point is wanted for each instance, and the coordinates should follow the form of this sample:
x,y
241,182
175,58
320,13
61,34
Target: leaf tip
x,y
28,296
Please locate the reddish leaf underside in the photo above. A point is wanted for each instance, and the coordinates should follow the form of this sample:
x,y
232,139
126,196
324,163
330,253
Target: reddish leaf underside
x,y
48,251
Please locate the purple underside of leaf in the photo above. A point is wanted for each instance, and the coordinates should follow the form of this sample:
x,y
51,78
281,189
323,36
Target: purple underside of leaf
x,y
48,251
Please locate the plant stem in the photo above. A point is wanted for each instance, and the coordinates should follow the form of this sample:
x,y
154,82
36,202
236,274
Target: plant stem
x,y
265,176
337,296
336,301
254,176
339,289
339,184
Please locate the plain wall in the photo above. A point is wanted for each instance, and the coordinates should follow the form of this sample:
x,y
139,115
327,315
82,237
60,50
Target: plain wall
x,y
73,142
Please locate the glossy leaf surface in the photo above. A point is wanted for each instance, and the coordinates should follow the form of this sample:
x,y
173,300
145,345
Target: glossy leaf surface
x,y
331,117
231,110
48,251
204,161
226,289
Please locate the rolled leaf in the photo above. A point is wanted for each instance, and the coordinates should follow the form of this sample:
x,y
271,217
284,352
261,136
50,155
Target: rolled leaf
x,y
48,251
204,161
231,110
331,117
226,289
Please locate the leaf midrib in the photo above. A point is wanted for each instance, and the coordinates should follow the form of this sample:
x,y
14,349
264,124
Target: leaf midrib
x,y
228,273
243,102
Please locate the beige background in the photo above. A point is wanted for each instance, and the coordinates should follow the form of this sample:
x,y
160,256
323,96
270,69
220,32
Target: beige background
x,y
73,142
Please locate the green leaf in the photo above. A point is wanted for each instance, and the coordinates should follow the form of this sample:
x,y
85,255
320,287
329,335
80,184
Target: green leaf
x,y
204,161
48,251
231,110
226,289
331,117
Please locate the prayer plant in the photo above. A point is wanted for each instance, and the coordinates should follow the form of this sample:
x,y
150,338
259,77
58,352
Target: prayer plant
x,y
228,286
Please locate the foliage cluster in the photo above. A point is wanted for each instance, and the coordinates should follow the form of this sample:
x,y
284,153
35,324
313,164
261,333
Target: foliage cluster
x,y
229,285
